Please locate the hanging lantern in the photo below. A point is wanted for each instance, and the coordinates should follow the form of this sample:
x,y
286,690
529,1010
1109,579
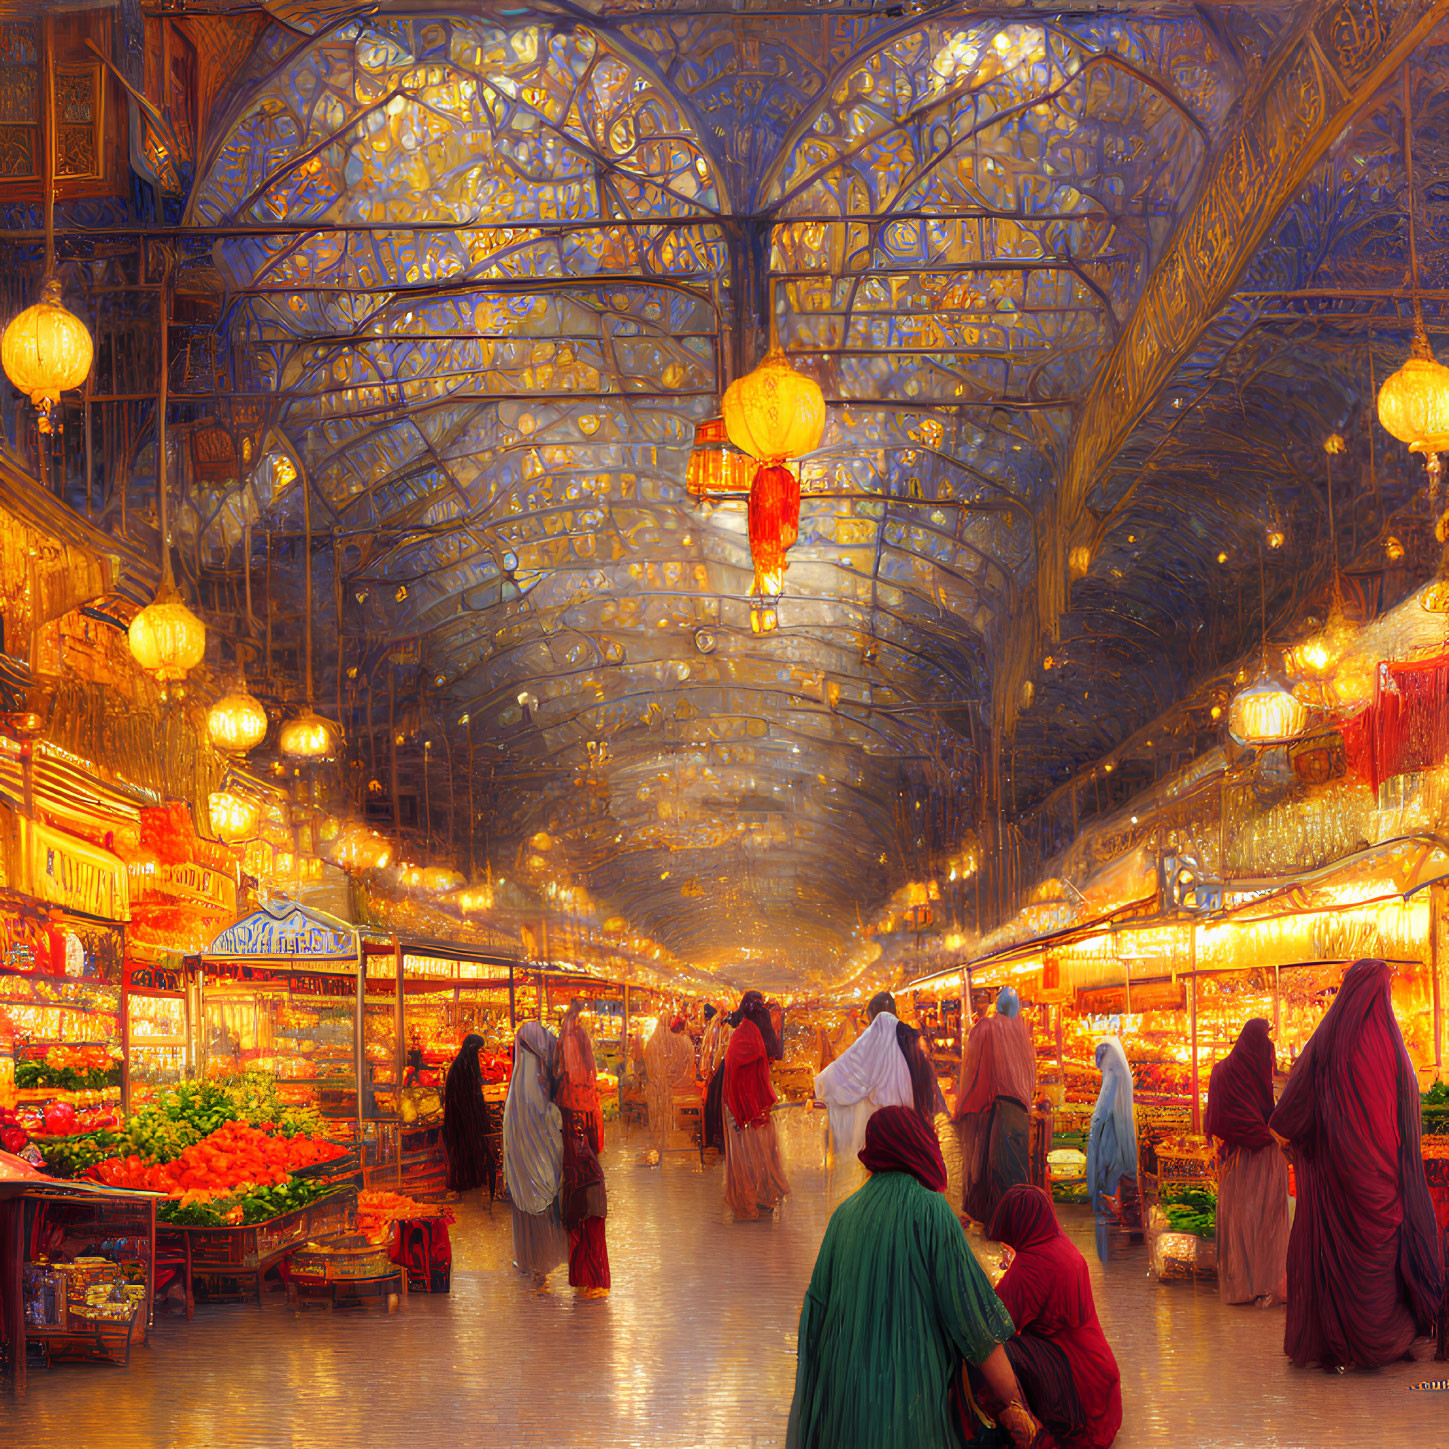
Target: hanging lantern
x,y
1266,713
774,412
309,737
46,350
236,723
715,466
233,817
358,848
1352,684
1414,401
774,521
167,639
436,878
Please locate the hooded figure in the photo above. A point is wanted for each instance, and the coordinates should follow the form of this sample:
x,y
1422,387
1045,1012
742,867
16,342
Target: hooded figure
x,y
1061,1357
1112,1143
1365,1271
1252,1175
993,1107
472,1157
754,1173
533,1154
896,1307
582,1197
669,1072
872,1072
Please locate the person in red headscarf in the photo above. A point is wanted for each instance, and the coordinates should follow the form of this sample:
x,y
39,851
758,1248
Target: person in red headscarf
x,y
897,1310
1060,1355
581,1186
754,1173
1365,1266
1252,1175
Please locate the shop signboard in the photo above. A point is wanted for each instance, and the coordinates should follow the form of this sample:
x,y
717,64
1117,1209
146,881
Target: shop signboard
x,y
148,978
286,931
73,873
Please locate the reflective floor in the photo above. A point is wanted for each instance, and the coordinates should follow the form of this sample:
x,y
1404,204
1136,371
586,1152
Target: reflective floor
x,y
695,1347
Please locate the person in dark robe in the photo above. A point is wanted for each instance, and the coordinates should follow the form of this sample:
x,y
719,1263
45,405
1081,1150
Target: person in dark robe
x,y
472,1158
993,1107
581,1188
897,1309
1060,1355
1365,1264
1252,1232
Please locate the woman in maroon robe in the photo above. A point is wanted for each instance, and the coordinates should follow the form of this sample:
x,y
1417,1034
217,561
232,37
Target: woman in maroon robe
x,y
1364,1263
1060,1355
1252,1175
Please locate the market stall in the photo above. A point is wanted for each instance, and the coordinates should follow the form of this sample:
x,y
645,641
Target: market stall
x,y
77,1265
280,992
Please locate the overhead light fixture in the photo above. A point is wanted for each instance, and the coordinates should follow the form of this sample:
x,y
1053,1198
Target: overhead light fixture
x,y
46,350
237,722
1265,713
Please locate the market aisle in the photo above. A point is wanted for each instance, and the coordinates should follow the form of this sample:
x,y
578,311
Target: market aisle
x,y
695,1347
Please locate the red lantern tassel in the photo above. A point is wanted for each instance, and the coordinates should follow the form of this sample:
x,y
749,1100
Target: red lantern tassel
x,y
774,524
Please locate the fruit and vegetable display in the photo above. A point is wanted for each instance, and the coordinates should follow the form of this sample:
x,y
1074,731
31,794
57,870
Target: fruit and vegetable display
x,y
1192,1210
378,1211
86,1068
1434,1109
221,1152
13,1136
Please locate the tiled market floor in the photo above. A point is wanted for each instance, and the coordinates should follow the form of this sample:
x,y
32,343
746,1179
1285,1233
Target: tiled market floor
x,y
694,1347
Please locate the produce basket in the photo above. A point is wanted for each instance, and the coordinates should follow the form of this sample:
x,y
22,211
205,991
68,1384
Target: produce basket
x,y
1177,1256
344,1258
1168,1164
231,1262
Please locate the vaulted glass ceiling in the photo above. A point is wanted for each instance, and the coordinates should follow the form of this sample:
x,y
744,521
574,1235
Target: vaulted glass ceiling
x,y
492,275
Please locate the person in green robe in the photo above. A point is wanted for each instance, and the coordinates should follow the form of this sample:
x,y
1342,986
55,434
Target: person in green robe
x,y
896,1309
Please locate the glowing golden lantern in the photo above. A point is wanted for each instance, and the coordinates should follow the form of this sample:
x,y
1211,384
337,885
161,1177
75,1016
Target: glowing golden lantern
x,y
309,737
236,723
358,848
410,877
45,350
1393,549
233,817
774,412
475,898
1414,401
167,639
1353,683
1266,713
436,878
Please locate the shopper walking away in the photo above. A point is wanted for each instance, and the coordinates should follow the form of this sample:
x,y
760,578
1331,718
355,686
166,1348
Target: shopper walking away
x,y
1060,1355
1252,1174
869,1074
897,1308
581,1188
1365,1269
754,1173
993,1107
472,1157
533,1155
1112,1145
669,1072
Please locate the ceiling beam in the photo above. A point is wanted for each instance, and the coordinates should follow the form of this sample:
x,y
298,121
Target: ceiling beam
x,y
1331,64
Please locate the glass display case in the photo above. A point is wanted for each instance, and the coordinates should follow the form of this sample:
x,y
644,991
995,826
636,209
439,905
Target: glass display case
x,y
300,1027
